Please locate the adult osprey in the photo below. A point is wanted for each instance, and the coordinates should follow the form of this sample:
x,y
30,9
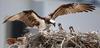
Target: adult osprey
x,y
31,18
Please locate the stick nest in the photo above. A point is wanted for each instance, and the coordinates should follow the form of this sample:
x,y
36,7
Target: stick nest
x,y
58,40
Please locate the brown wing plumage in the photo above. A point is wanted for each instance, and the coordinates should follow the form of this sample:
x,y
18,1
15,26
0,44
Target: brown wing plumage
x,y
26,17
71,8
7,18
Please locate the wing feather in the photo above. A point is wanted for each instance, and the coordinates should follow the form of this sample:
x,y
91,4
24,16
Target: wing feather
x,y
72,8
26,17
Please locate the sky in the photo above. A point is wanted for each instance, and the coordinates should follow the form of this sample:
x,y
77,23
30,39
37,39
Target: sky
x,y
83,22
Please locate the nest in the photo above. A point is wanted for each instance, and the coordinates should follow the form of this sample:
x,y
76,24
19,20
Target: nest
x,y
58,40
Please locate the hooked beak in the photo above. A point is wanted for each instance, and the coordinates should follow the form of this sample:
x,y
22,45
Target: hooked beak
x,y
54,24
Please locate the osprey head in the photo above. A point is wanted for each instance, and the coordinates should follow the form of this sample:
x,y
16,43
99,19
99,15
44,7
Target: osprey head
x,y
52,22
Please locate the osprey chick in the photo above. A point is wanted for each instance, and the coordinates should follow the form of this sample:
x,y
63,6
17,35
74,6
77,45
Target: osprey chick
x,y
60,28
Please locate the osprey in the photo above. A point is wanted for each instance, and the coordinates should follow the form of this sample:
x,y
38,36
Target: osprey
x,y
60,28
31,18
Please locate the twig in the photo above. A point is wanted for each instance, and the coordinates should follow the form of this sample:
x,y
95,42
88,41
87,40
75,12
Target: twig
x,y
62,43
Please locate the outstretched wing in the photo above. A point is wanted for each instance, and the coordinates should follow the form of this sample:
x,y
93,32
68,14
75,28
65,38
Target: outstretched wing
x,y
29,17
71,8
